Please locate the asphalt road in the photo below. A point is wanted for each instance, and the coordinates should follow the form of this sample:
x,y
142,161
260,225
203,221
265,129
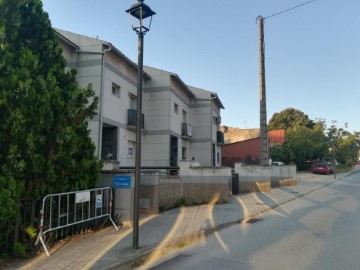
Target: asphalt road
x,y
318,231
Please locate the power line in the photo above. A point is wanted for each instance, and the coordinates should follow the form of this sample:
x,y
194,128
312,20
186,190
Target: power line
x,y
287,10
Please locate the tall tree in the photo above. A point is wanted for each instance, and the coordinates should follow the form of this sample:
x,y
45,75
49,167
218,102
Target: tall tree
x,y
306,144
44,137
344,145
289,118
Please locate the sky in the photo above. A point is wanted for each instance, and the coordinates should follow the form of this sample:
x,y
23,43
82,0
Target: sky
x,y
311,52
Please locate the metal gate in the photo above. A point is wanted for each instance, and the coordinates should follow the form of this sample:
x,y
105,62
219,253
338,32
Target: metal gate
x,y
235,183
65,209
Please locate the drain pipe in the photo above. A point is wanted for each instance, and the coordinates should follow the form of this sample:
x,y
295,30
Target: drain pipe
x,y
101,97
212,146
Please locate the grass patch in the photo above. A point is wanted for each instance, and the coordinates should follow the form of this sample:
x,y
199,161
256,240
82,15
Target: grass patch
x,y
343,168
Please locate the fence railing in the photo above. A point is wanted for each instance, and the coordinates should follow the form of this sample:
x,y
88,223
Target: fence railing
x,y
66,209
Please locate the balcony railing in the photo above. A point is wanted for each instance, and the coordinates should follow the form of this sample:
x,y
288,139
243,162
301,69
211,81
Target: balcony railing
x,y
131,122
220,137
186,130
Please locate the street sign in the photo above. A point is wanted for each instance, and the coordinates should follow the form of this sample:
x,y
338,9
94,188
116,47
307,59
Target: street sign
x,y
98,201
122,181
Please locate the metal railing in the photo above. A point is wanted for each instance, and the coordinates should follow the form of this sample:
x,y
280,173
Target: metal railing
x,y
66,209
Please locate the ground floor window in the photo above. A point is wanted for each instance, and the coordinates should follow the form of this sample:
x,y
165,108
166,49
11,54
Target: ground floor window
x,y
183,153
131,147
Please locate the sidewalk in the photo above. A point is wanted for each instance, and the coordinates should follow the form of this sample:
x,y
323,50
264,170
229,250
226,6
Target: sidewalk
x,y
108,249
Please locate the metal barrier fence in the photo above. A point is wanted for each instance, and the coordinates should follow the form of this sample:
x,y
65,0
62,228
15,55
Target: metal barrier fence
x,y
66,209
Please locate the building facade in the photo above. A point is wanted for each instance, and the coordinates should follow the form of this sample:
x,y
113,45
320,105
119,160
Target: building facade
x,y
180,122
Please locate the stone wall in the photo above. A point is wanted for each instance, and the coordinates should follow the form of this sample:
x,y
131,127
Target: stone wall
x,y
170,191
232,135
194,184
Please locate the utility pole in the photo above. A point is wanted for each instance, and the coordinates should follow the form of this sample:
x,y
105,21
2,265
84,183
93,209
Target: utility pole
x,y
264,149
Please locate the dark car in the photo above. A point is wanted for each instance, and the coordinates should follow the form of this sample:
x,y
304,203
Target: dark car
x,y
322,168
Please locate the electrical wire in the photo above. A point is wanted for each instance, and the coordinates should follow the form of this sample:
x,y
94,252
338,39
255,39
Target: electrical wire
x,y
287,10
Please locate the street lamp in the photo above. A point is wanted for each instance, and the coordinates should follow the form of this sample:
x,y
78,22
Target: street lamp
x,y
140,11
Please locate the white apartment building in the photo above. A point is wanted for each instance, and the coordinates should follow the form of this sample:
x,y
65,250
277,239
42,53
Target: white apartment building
x,y
180,121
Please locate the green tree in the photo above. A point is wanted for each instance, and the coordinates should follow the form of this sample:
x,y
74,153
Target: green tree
x,y
289,118
281,152
345,144
306,144
44,137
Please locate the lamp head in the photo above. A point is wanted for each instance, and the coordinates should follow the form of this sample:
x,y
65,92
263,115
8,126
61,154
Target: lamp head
x,y
141,12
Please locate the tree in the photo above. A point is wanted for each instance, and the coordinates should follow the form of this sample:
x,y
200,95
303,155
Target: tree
x,y
343,144
281,152
44,137
302,146
289,118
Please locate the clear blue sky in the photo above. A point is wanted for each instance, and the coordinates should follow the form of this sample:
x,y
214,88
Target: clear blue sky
x,y
312,52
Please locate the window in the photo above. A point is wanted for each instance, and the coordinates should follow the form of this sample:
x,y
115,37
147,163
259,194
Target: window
x,y
214,120
131,147
176,108
183,153
132,101
184,116
116,90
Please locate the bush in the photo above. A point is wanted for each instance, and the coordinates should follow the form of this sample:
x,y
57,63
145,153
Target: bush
x,y
180,202
19,250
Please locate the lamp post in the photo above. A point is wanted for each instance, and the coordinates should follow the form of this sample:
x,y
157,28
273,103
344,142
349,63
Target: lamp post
x,y
334,158
140,11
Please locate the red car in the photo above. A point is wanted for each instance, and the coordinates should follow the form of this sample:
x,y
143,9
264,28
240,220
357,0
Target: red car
x,y
322,168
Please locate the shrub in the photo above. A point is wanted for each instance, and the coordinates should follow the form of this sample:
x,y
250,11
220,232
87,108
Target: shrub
x,y
180,202
19,250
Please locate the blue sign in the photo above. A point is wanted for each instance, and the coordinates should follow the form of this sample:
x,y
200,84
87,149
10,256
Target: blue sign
x,y
98,201
122,181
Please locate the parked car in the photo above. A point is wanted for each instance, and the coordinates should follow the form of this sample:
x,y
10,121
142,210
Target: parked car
x,y
322,168
278,163
331,166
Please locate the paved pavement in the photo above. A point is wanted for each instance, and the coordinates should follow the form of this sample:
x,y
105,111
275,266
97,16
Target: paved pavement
x,y
158,234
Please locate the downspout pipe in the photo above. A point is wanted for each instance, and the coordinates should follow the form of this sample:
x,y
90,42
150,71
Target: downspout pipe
x,y
212,155
102,90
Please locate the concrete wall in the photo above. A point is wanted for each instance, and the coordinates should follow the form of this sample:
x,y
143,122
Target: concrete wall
x,y
253,178
123,200
195,184
203,184
283,176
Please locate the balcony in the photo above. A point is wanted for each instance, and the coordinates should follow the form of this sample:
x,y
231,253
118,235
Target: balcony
x,y
219,137
131,122
186,131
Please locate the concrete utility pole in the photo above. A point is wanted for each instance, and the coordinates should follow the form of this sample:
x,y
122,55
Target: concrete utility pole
x,y
264,149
